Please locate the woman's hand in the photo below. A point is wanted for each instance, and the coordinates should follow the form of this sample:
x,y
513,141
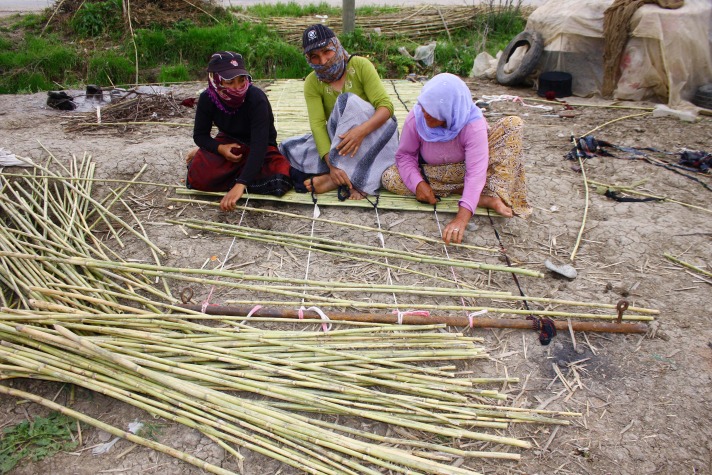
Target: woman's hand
x,y
424,193
455,229
351,140
338,176
225,150
232,197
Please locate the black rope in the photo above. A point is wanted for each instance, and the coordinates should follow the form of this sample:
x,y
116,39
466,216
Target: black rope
x,y
398,96
421,162
313,194
544,325
672,167
343,193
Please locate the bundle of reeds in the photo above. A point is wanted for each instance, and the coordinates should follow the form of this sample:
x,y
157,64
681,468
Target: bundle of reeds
x,y
422,22
129,109
180,370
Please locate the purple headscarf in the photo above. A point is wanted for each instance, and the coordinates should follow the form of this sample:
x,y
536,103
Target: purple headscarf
x,y
226,99
445,97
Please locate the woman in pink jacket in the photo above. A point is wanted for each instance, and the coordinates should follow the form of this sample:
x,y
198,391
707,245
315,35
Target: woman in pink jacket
x,y
446,146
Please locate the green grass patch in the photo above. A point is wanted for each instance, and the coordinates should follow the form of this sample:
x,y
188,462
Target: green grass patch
x,y
36,440
92,20
30,22
180,52
171,74
37,64
110,67
289,9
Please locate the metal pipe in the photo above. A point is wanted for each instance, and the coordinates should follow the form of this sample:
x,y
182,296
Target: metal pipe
x,y
477,322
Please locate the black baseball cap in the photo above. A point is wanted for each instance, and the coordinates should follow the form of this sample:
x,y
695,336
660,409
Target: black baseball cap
x,y
228,64
316,36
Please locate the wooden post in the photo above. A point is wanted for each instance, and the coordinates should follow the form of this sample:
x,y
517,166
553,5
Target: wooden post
x,y
349,15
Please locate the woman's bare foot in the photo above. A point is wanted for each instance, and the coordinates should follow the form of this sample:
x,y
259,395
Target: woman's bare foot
x,y
495,203
357,195
320,184
191,154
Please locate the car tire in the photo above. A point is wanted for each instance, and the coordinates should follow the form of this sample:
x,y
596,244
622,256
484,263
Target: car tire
x,y
703,96
529,62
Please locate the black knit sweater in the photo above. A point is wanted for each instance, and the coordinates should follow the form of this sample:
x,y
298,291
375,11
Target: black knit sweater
x,y
252,124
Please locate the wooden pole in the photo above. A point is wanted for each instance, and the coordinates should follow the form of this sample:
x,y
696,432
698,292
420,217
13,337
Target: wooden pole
x,y
348,15
456,321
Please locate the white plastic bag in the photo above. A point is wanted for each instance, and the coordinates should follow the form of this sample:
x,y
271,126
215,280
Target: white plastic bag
x,y
425,54
8,159
485,66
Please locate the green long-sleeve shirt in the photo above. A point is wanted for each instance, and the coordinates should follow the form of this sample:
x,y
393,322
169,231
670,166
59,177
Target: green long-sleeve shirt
x,y
361,79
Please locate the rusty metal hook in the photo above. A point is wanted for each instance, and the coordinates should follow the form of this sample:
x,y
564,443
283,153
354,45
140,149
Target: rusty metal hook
x,y
186,295
621,306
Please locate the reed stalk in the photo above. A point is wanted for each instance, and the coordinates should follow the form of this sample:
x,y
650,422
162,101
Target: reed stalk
x,y
671,258
579,236
340,223
338,247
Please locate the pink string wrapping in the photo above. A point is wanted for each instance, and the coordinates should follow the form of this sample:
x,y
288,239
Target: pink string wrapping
x,y
422,313
471,316
326,325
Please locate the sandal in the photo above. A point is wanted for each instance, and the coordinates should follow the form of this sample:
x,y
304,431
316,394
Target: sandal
x,y
343,192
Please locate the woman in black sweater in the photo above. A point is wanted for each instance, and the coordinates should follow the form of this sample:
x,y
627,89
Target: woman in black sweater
x,y
244,154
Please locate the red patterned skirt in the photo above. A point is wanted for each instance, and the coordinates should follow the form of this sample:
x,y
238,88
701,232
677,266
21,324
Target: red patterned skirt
x,y
209,171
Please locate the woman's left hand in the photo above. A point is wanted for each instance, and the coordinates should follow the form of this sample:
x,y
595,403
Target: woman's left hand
x,y
232,197
351,140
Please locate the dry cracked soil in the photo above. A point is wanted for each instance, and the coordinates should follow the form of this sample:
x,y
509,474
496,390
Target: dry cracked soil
x,y
645,400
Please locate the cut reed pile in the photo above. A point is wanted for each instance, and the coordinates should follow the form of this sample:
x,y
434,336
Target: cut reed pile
x,y
130,109
76,312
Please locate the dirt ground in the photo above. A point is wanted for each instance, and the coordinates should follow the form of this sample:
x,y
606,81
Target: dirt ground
x,y
646,401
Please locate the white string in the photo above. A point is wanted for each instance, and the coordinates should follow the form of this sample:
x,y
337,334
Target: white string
x,y
471,316
315,215
227,255
515,99
447,254
389,278
254,309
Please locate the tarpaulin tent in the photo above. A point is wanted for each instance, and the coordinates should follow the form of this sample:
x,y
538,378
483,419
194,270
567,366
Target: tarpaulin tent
x,y
668,54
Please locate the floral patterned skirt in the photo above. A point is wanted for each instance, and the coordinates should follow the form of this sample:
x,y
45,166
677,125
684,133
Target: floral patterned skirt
x,y
505,172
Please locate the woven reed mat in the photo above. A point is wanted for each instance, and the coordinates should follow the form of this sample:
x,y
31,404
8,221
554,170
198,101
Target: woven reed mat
x,y
386,201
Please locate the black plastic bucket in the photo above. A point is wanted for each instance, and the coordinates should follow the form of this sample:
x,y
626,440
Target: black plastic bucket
x,y
557,83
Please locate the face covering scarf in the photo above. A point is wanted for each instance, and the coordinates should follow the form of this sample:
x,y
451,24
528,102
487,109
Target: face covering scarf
x,y
445,97
335,67
226,99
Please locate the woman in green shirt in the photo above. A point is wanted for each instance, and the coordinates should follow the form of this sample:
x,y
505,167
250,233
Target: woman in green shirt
x,y
354,135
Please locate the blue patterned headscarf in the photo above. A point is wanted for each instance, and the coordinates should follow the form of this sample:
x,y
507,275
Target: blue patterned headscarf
x,y
445,97
334,69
